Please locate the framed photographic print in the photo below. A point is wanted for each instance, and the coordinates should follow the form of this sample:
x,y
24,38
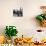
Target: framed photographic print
x,y
18,13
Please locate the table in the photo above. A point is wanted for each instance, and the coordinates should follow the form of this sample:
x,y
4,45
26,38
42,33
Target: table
x,y
25,44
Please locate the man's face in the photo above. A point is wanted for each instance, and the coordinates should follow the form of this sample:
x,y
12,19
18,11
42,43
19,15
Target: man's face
x,y
44,10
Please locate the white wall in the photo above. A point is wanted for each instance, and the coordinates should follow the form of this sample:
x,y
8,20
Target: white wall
x,y
27,24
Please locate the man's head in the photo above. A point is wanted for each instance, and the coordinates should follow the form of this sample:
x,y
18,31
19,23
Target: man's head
x,y
43,8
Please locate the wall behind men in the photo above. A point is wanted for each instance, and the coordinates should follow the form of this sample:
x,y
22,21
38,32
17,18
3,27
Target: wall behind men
x,y
27,24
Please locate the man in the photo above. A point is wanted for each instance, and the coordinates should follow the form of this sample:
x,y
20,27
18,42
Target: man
x,y
42,17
